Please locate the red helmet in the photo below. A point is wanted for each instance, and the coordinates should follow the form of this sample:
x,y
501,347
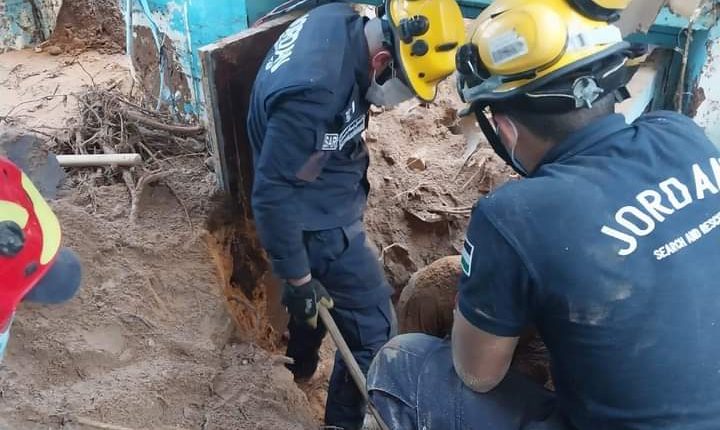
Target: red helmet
x,y
29,237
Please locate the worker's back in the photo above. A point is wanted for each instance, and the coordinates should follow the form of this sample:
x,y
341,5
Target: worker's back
x,y
619,230
313,84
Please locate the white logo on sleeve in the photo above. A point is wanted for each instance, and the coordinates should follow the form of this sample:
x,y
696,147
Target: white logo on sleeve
x,y
466,258
655,205
331,142
283,48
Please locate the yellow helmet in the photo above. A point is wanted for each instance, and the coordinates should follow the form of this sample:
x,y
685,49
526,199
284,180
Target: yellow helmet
x,y
562,53
426,35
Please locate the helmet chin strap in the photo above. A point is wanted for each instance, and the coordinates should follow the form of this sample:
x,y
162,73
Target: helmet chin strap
x,y
495,142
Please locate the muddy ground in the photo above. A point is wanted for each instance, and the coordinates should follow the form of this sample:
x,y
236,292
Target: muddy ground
x,y
149,342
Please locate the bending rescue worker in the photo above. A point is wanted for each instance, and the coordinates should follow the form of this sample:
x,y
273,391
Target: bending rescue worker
x,y
308,110
609,246
33,265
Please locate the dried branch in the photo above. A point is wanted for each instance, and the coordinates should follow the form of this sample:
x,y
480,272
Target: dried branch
x,y
182,130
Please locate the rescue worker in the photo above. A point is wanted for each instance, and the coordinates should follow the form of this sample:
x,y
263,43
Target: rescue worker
x,y
609,246
308,111
33,265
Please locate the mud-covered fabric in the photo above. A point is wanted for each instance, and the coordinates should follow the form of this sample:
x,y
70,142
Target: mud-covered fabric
x,y
611,249
413,384
306,117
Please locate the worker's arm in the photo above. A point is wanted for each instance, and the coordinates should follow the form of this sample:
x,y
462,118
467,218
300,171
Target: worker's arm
x,y
289,159
493,306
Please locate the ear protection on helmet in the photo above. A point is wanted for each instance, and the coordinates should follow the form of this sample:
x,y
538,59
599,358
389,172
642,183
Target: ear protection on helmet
x,y
424,35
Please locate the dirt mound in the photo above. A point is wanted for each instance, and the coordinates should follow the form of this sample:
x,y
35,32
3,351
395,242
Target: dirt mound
x,y
89,24
145,344
426,303
423,184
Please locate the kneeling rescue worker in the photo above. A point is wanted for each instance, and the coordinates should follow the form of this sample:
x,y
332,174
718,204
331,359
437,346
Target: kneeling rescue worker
x,y
609,246
33,265
308,110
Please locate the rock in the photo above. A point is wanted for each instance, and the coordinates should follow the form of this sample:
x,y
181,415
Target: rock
x,y
210,163
426,303
54,50
416,163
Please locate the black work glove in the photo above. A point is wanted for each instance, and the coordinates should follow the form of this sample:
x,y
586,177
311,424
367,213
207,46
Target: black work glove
x,y
302,302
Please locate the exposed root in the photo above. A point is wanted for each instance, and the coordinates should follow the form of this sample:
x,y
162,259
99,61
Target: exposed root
x,y
137,193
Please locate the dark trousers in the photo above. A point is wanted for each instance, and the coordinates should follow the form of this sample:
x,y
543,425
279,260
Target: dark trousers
x,y
412,382
342,260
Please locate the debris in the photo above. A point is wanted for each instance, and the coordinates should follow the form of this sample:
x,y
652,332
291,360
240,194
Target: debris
x,y
282,360
181,130
428,219
387,157
54,50
388,248
140,187
210,163
473,137
463,210
95,160
99,425
416,163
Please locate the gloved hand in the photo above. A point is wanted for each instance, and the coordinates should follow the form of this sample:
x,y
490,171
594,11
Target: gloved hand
x,y
302,301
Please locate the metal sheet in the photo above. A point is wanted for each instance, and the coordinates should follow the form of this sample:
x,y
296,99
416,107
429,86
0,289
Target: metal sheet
x,y
230,67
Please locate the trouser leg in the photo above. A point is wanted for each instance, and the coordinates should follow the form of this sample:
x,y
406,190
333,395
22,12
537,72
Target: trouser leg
x,y
413,384
304,347
365,331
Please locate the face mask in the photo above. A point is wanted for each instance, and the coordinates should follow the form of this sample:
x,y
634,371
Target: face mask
x,y
390,94
516,163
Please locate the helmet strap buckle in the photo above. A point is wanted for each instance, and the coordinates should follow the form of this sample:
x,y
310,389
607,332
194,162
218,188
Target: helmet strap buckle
x,y
586,91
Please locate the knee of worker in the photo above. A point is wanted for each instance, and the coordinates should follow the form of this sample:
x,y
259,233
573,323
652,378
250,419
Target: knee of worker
x,y
397,366
61,282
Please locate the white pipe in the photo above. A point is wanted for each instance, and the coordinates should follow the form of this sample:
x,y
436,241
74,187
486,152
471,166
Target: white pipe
x,y
97,160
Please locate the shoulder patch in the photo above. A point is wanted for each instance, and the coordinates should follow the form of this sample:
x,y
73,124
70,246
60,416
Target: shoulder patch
x,y
467,255
331,142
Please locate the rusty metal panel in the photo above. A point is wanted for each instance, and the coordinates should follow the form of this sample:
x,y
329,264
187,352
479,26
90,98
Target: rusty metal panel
x,y
230,66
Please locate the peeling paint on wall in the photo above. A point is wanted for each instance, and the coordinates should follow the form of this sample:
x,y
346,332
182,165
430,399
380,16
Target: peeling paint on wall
x,y
24,23
708,85
188,24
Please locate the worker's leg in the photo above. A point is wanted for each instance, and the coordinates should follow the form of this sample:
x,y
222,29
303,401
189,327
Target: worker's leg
x,y
365,331
345,262
413,384
303,347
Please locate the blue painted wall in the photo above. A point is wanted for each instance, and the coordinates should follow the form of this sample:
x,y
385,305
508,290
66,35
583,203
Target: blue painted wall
x,y
190,24
18,27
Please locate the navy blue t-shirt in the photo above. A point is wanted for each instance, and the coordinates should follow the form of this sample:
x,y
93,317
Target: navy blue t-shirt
x,y
306,118
611,248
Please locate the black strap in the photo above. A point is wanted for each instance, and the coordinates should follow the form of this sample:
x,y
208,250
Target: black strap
x,y
494,139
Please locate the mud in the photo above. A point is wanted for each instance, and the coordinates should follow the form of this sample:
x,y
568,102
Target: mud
x,y
89,24
148,342
426,303
404,215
